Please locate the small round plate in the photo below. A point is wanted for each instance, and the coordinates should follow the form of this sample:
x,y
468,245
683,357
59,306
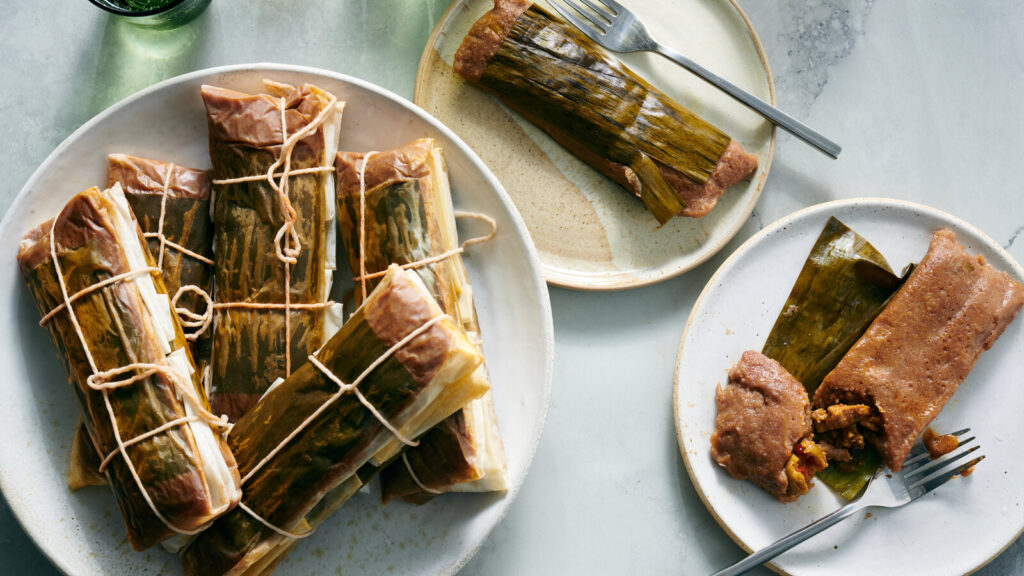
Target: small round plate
x,y
952,531
82,533
611,241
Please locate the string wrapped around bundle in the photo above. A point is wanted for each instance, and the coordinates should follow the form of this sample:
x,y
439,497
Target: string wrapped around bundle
x,y
301,449
104,303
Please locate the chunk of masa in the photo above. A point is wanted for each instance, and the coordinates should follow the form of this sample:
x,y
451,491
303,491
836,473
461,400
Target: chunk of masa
x,y
763,423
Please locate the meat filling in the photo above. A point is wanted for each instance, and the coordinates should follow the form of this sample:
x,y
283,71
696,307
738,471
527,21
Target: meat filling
x,y
939,445
807,460
834,453
839,416
845,428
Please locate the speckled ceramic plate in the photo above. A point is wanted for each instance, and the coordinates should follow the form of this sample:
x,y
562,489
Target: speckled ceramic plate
x,y
611,241
955,530
82,533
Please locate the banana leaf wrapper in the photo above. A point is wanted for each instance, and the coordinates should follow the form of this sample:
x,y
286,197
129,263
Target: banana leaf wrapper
x,y
187,470
410,217
84,462
600,110
249,345
187,224
844,284
318,470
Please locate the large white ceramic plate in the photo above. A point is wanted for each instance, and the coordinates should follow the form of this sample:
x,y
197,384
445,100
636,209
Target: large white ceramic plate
x,y
953,531
590,233
83,533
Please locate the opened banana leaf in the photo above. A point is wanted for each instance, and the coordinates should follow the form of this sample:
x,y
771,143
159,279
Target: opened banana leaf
x,y
409,218
251,346
183,467
844,283
405,358
600,110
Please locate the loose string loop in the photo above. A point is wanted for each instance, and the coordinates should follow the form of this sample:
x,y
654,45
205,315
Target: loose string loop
x,y
190,319
415,478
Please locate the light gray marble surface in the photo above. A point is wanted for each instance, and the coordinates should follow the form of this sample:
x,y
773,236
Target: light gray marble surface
x,y
925,97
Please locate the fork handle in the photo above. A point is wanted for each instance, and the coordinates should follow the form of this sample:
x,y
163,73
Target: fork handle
x,y
772,550
771,113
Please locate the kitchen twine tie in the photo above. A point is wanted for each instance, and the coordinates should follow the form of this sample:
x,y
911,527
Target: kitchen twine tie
x,y
188,318
105,381
159,234
362,277
287,246
343,388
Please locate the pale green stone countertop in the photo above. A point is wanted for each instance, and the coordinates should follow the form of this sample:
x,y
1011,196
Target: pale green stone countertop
x,y
607,493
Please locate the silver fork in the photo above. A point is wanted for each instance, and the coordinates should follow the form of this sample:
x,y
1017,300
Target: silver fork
x,y
613,26
918,477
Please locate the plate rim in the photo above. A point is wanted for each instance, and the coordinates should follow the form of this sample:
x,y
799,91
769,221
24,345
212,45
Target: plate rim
x,y
543,300
571,281
782,222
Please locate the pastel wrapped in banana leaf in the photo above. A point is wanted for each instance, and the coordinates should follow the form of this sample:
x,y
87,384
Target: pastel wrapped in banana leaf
x,y
120,341
600,110
274,238
843,285
301,448
919,349
172,201
409,220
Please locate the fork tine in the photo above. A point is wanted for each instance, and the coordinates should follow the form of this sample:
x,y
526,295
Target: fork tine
x,y
925,470
604,11
584,21
611,6
938,479
919,452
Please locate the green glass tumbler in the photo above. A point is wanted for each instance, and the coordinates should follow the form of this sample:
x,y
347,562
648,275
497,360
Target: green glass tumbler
x,y
158,14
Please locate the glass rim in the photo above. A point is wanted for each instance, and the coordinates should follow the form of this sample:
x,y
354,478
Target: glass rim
x,y
104,5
